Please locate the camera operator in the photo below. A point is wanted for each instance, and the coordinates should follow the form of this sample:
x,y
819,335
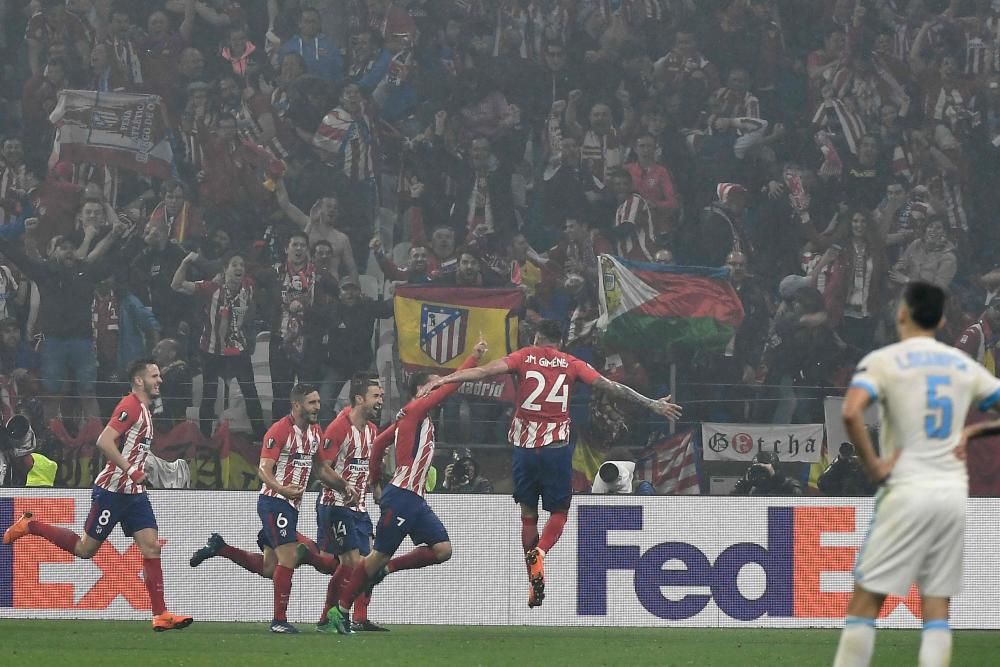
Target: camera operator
x,y
462,475
618,477
764,478
20,464
845,475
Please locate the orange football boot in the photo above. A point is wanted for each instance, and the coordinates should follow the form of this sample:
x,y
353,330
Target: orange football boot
x,y
18,529
167,621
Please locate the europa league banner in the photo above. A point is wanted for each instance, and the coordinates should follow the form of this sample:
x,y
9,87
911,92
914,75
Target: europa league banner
x,y
793,443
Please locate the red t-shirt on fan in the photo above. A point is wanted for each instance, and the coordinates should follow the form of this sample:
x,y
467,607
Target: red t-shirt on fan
x,y
544,376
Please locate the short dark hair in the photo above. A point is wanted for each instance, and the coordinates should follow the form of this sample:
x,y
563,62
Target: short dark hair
x,y
322,242
300,391
172,184
416,381
608,472
550,330
360,383
297,235
138,367
925,302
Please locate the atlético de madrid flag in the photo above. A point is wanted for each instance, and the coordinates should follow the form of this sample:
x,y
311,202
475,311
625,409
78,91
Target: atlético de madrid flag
x,y
123,130
437,328
646,306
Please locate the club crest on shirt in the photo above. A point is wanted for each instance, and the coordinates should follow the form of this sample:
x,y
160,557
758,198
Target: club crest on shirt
x,y
123,417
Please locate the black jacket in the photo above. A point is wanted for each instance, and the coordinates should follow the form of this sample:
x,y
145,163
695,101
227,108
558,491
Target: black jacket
x,y
350,340
67,292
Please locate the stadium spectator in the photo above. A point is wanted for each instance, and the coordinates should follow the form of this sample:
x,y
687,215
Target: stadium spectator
x,y
229,304
175,392
349,347
736,129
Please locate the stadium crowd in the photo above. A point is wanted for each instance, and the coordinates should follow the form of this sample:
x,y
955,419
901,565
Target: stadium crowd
x,y
825,151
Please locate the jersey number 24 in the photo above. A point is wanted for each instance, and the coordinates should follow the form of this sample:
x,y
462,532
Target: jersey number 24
x,y
558,394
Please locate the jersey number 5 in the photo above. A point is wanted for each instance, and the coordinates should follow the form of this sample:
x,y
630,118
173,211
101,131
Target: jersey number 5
x,y
937,421
558,394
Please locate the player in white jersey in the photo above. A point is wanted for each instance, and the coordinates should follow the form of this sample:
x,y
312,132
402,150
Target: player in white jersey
x,y
119,495
344,527
924,390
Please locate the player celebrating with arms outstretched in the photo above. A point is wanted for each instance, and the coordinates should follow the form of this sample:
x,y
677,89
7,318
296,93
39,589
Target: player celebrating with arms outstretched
x,y
286,460
404,510
543,459
119,495
924,390
345,529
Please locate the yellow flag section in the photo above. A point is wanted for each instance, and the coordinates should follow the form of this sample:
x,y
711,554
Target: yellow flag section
x,y
437,328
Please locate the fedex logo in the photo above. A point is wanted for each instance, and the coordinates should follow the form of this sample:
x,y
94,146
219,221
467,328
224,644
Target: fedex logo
x,y
25,585
793,560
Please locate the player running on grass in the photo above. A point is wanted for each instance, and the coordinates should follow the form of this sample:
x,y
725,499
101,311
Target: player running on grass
x,y
404,510
542,458
119,495
345,529
924,390
286,460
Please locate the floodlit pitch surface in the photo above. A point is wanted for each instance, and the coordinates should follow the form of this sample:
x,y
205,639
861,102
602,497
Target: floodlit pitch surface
x,y
81,643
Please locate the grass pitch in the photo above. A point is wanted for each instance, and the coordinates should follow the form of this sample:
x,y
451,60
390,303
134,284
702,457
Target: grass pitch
x,y
108,643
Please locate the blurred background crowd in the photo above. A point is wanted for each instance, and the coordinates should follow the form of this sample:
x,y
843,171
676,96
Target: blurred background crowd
x,y
323,152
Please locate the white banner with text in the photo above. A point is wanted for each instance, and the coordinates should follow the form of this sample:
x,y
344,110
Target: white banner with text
x,y
793,443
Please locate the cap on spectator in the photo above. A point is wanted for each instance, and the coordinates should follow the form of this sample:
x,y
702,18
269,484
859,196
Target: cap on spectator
x,y
726,189
347,281
790,285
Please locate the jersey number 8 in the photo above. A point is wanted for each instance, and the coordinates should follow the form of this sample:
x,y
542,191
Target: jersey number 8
x,y
558,394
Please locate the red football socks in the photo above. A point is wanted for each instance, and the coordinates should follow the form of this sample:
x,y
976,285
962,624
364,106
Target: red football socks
x,y
63,538
361,608
282,591
529,533
357,582
152,576
419,557
248,561
324,563
552,531
334,589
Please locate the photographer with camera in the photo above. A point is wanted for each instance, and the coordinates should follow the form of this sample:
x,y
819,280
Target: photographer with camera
x,y
462,475
764,478
20,464
845,475
618,477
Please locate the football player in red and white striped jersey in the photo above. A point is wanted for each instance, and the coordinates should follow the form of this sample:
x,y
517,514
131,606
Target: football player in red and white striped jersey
x,y
404,510
542,457
119,494
286,461
344,528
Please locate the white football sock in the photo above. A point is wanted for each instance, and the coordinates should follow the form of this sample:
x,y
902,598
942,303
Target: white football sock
x,y
935,644
857,643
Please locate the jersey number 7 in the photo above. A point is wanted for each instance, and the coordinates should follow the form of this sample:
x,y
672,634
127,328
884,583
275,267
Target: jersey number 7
x,y
558,394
